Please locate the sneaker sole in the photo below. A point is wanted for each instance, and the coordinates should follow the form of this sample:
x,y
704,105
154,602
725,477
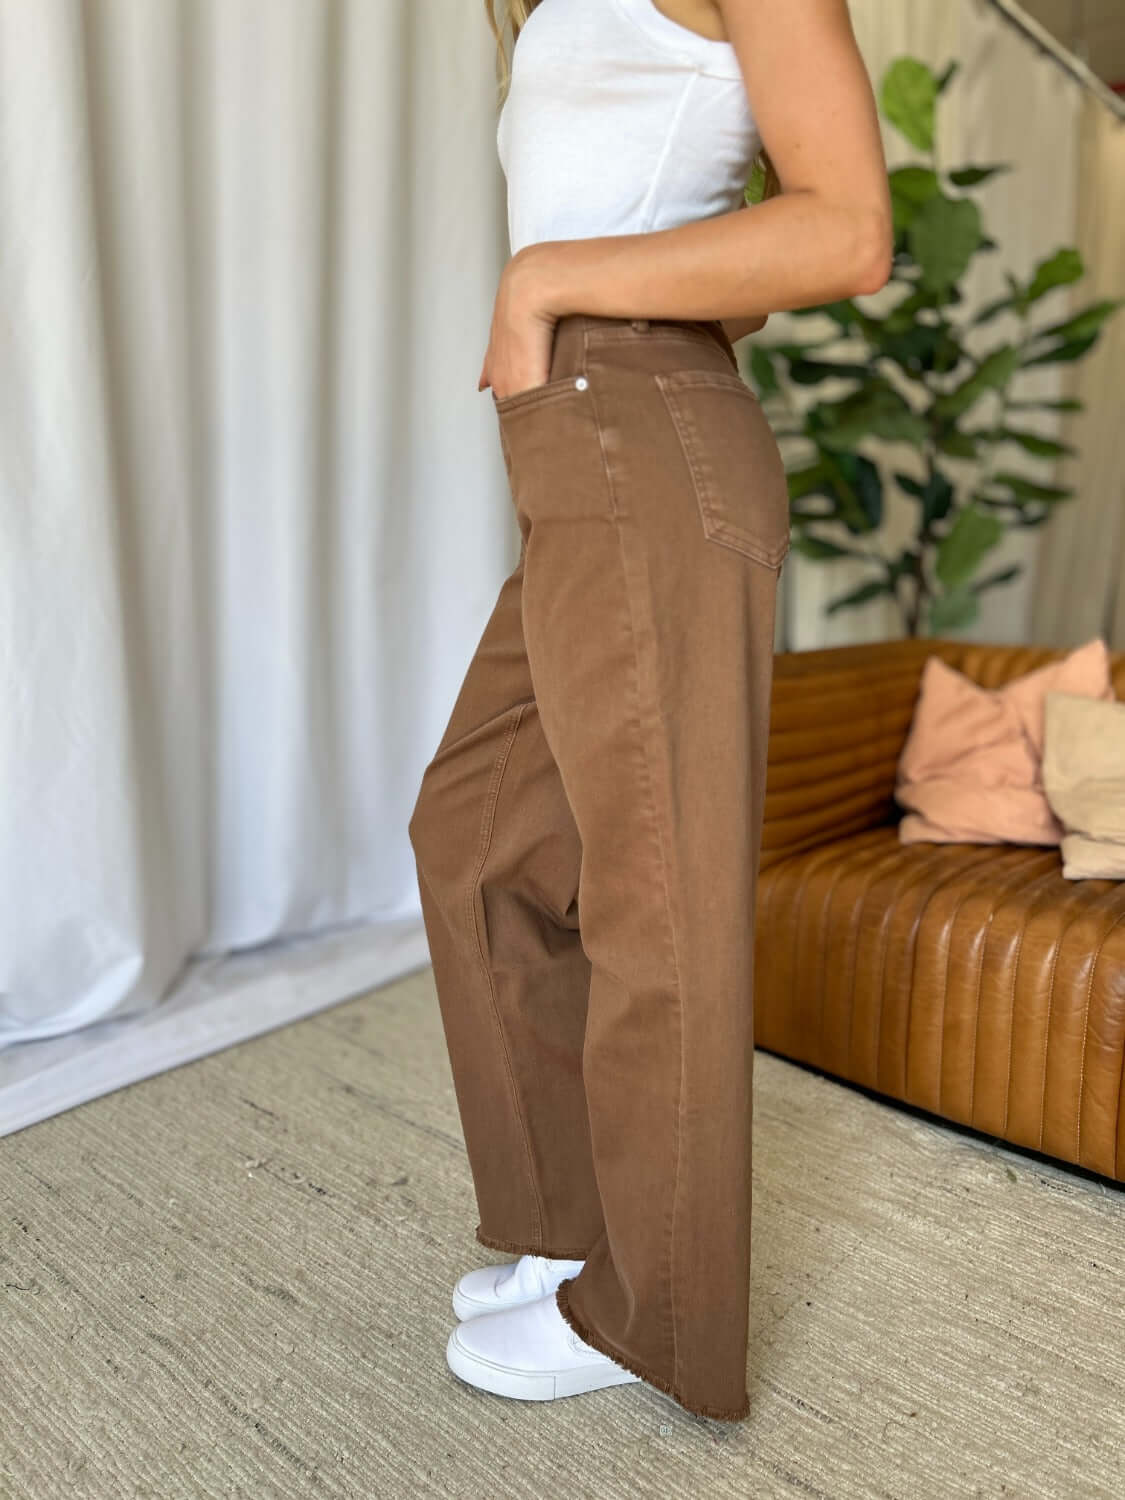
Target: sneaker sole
x,y
543,1385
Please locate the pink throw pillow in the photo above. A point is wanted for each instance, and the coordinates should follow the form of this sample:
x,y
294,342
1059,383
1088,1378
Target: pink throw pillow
x,y
971,767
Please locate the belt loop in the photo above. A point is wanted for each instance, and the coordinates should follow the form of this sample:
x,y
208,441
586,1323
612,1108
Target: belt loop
x,y
640,324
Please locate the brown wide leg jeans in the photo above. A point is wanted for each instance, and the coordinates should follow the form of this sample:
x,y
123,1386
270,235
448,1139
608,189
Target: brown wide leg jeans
x,y
587,838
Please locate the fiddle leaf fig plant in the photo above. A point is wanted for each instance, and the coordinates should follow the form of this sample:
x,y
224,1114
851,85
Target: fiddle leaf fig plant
x,y
912,378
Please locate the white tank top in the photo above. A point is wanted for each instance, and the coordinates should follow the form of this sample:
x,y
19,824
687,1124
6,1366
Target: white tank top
x,y
619,120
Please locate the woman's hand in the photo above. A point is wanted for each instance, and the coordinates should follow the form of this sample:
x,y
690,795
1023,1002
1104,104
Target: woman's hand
x,y
518,356
526,311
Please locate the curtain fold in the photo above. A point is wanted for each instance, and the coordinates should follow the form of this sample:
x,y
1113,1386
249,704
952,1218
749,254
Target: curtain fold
x,y
252,510
1080,580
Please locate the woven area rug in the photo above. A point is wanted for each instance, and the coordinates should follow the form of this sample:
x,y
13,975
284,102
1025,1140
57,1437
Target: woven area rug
x,y
233,1280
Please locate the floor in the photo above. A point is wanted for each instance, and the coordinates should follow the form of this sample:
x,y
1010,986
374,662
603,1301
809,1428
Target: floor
x,y
233,1279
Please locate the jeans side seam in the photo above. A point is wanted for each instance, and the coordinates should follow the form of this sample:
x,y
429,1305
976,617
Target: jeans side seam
x,y
664,878
677,1150
487,824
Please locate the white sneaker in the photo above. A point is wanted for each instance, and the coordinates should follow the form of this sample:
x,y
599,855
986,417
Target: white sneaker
x,y
530,1351
493,1288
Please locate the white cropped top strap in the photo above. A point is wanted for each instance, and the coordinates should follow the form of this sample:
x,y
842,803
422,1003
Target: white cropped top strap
x,y
620,120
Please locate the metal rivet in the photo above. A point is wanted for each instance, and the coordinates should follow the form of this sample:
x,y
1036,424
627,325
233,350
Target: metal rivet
x,y
581,383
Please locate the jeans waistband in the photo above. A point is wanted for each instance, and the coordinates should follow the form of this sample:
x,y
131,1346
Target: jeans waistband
x,y
572,328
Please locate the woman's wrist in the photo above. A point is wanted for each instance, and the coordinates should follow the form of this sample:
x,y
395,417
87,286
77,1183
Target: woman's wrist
x,y
538,285
535,284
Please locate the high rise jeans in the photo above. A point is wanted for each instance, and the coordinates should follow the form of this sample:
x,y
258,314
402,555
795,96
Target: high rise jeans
x,y
587,838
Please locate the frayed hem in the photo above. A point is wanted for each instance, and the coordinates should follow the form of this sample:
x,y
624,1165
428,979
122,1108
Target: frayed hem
x,y
603,1346
522,1247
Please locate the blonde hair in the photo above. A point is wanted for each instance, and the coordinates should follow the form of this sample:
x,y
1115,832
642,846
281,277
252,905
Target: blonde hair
x,y
515,14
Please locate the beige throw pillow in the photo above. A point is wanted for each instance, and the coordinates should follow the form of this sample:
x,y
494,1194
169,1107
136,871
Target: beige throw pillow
x,y
1084,779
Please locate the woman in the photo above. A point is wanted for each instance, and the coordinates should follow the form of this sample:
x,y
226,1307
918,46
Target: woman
x,y
587,833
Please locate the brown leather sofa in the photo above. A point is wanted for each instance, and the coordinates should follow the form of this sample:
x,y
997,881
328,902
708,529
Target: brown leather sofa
x,y
972,981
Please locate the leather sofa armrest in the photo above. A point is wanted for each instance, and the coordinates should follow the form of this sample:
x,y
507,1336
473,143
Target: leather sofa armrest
x,y
839,719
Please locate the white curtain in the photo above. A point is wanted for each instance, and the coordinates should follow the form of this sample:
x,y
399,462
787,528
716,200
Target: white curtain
x,y
253,513
252,509
1081,566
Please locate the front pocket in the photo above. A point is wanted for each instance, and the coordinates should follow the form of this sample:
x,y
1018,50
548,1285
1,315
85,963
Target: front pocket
x,y
735,464
535,393
552,449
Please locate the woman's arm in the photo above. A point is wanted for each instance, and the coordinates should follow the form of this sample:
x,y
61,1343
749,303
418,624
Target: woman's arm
x,y
826,236
738,328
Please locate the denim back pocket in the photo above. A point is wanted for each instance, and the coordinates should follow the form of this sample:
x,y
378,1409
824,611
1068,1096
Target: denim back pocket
x,y
736,467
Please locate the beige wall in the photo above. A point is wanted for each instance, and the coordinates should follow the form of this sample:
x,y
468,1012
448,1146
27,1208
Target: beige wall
x,y
1093,29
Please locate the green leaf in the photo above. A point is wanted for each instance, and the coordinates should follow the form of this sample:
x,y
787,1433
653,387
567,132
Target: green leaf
x,y
763,372
907,98
843,312
904,314
914,183
858,490
936,494
1062,353
957,444
912,486
993,372
944,235
890,427
877,411
947,74
992,310
1028,489
1006,503
1069,403
910,188
991,580
951,610
959,552
813,371
1088,321
1059,269
859,595
1031,442
790,351
756,185
971,176
814,479
918,348
819,547
948,354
